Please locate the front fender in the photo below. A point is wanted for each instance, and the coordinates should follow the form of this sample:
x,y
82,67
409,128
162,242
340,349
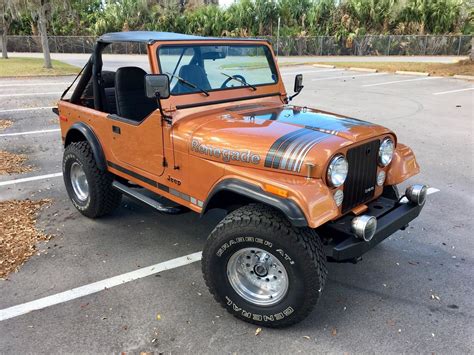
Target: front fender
x,y
255,193
403,165
308,203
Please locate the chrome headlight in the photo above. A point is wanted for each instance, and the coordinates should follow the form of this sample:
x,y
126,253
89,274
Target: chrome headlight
x,y
337,170
386,152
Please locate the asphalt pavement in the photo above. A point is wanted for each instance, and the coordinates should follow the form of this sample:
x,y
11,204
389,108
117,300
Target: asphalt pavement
x,y
383,304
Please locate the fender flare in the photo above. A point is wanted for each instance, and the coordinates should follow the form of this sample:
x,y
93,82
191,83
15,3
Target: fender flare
x,y
92,139
288,207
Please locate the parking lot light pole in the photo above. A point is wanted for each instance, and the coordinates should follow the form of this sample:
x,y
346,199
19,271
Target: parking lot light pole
x,y
278,37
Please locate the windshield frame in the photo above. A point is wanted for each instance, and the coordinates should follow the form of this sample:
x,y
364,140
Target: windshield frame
x,y
268,54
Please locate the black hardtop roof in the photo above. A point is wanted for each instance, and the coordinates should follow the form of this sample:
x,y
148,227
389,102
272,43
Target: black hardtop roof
x,y
152,36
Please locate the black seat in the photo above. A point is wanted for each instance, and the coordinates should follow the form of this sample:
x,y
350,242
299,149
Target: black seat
x,y
108,84
194,74
132,102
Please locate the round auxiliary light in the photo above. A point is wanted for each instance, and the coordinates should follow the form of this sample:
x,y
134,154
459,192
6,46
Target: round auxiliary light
x,y
338,197
386,151
337,170
381,178
417,194
364,227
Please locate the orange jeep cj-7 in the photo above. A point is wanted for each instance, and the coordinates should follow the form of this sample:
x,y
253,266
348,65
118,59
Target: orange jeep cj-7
x,y
210,126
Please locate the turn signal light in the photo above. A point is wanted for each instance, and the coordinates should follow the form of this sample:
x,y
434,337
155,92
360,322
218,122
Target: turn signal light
x,y
276,190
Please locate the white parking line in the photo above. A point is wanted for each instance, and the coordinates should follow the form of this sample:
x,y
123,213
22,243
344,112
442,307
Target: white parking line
x,y
452,91
26,109
34,94
311,71
31,178
401,81
98,286
30,132
348,76
32,84
432,190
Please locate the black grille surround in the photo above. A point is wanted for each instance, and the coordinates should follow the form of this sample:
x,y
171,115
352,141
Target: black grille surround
x,y
360,183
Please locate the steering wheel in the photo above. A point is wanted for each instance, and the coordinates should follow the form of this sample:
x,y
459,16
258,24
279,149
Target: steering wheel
x,y
237,76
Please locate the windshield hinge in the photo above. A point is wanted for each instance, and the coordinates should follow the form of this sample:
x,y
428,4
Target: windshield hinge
x,y
170,109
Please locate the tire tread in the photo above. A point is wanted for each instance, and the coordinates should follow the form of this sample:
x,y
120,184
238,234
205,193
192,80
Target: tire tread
x,y
303,240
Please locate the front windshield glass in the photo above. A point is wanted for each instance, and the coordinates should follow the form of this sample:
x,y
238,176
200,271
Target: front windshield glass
x,y
204,68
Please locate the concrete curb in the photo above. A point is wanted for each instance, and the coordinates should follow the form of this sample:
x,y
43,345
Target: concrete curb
x,y
42,76
464,77
324,66
367,70
418,73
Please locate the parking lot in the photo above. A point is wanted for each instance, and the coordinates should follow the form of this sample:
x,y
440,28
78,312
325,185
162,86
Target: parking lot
x,y
413,293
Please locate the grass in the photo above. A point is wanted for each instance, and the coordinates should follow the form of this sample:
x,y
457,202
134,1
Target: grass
x,y
465,67
258,65
34,67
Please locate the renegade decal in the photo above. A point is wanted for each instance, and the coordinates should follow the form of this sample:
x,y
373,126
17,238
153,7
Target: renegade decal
x,y
288,152
225,155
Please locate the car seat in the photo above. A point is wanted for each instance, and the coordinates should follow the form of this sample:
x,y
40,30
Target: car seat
x,y
196,75
132,102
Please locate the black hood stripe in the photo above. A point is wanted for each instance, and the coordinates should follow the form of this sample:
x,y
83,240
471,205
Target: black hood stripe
x,y
302,156
294,150
282,150
275,146
289,151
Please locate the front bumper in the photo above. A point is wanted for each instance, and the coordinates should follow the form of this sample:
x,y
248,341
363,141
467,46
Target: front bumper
x,y
341,243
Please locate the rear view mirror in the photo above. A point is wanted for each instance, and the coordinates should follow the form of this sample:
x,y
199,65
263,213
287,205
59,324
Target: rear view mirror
x,y
213,55
157,86
298,83
298,86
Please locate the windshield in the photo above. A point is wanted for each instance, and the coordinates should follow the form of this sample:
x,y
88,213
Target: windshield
x,y
204,68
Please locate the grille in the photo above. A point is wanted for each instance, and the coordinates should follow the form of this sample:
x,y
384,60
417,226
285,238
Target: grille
x,y
361,179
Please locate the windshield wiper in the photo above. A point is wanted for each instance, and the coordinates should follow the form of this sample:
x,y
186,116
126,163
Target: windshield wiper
x,y
244,83
184,81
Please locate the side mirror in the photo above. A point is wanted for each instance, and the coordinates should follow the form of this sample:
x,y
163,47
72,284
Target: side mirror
x,y
157,86
298,83
298,86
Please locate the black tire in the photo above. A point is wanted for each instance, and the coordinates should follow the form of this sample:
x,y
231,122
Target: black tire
x,y
102,197
299,250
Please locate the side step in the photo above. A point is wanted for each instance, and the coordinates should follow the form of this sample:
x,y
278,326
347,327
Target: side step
x,y
147,200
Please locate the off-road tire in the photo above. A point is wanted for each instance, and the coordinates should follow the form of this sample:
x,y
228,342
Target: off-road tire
x,y
300,251
103,198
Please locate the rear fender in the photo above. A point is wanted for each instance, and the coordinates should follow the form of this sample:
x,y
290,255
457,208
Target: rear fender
x,y
80,131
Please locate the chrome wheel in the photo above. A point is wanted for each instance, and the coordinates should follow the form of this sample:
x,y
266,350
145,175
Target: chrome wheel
x,y
79,181
257,276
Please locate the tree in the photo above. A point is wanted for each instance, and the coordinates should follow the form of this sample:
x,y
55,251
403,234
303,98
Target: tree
x,y
6,17
40,11
123,15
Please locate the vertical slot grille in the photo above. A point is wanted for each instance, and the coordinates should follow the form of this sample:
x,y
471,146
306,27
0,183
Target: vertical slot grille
x,y
361,179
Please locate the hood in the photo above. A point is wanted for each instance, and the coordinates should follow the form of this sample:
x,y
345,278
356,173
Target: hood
x,y
279,138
